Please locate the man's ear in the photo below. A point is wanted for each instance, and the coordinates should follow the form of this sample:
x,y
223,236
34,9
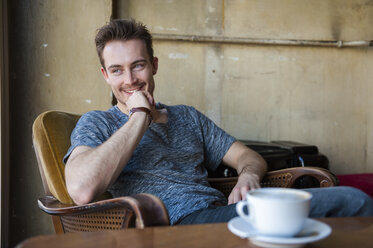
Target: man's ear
x,y
155,65
104,73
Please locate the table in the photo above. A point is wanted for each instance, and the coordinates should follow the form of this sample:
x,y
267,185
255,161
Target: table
x,y
347,232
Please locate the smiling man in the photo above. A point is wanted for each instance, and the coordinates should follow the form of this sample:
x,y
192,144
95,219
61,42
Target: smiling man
x,y
140,146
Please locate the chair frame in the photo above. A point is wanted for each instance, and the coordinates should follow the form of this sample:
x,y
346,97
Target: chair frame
x,y
140,210
285,178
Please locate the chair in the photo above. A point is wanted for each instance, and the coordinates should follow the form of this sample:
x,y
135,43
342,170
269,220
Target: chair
x,y
51,139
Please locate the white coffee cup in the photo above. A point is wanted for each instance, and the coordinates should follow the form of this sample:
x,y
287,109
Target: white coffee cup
x,y
276,211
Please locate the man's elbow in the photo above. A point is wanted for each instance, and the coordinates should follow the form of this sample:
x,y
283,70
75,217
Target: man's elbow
x,y
80,194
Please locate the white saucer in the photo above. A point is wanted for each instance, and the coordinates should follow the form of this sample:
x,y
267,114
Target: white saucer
x,y
313,231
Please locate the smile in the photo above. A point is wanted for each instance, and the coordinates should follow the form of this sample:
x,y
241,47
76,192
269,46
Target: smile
x,y
131,91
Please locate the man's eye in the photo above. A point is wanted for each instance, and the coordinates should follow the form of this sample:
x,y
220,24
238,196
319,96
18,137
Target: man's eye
x,y
139,66
116,71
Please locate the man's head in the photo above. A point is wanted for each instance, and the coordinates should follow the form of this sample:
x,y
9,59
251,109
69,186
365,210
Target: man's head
x,y
128,65
122,30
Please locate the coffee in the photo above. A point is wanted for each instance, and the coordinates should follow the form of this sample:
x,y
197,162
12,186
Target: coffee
x,y
284,195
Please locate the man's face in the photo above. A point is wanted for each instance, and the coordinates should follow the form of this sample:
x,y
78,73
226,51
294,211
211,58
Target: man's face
x,y
128,69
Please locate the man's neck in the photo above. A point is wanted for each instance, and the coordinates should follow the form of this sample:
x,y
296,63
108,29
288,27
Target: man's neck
x,y
123,108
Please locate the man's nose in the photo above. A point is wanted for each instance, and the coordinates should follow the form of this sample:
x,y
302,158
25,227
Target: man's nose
x,y
130,78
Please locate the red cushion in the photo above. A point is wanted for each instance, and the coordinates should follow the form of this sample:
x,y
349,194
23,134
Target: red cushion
x,y
360,181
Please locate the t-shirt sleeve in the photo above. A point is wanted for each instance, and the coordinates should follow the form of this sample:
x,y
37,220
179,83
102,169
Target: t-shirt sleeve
x,y
216,141
91,130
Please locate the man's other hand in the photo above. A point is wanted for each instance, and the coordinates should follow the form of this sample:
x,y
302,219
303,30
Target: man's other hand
x,y
245,183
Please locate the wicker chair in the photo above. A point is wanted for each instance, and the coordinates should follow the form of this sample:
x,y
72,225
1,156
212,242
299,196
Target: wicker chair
x,y
285,178
51,138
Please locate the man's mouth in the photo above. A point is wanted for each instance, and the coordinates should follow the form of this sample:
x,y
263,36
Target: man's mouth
x,y
131,91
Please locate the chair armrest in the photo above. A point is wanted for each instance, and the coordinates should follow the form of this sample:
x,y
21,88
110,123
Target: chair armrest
x,y
223,184
287,177
149,210
280,178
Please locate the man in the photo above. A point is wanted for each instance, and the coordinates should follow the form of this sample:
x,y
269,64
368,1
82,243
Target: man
x,y
140,146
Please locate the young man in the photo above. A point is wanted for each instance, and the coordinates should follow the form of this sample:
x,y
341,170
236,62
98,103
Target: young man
x,y
139,146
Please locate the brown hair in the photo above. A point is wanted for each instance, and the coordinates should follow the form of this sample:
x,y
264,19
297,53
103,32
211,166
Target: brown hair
x,y
120,29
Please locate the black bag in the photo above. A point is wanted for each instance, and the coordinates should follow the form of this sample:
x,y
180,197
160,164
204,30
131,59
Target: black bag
x,y
280,155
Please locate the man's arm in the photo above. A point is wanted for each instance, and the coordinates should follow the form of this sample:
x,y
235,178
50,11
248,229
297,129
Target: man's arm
x,y
90,171
250,167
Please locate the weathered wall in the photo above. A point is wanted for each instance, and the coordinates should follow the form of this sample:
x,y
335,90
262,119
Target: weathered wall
x,y
313,95
53,65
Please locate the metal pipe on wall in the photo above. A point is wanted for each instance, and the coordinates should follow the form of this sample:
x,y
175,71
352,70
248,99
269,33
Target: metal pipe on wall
x,y
243,40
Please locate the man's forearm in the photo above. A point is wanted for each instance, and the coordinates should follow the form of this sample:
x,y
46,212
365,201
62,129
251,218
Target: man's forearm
x,y
251,163
90,171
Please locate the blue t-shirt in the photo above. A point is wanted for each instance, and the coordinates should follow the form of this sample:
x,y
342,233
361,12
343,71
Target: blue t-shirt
x,y
171,160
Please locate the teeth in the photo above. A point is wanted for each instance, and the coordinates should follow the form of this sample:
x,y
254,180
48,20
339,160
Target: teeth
x,y
131,91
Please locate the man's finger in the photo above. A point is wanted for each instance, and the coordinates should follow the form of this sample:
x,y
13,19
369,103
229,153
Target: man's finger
x,y
244,191
255,186
235,195
149,97
230,197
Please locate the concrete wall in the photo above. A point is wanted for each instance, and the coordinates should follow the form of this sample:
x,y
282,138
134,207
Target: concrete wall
x,y
313,95
53,65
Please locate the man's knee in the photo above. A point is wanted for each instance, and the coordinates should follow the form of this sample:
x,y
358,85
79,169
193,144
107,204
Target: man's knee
x,y
340,201
359,203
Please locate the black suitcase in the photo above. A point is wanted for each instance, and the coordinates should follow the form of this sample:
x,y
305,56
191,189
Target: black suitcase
x,y
287,154
280,155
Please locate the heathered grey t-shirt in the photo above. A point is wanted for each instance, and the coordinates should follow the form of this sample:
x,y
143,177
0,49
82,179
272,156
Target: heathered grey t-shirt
x,y
170,160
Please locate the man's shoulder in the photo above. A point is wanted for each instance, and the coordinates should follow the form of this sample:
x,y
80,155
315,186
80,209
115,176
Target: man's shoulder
x,y
95,116
185,112
181,108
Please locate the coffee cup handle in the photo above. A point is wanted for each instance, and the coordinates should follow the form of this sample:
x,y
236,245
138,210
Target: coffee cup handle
x,y
239,208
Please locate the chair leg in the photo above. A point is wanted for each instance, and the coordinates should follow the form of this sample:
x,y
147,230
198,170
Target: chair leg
x,y
58,228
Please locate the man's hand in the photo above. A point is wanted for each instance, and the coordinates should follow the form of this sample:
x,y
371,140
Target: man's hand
x,y
143,99
250,167
140,99
146,100
245,183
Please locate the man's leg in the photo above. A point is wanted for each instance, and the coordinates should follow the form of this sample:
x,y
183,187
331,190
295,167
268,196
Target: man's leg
x,y
325,202
339,202
213,214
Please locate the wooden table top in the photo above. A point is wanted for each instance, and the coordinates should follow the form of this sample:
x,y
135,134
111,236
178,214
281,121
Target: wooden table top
x,y
347,232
